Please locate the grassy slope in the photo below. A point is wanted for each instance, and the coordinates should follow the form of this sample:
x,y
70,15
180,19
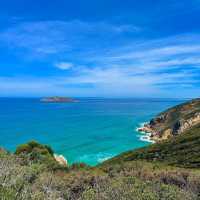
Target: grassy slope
x,y
182,151
22,178
168,171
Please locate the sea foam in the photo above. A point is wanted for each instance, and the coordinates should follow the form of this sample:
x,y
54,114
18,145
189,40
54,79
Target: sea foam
x,y
95,158
145,137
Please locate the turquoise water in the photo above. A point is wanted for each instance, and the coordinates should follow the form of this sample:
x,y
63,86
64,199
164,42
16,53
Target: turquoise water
x,y
90,130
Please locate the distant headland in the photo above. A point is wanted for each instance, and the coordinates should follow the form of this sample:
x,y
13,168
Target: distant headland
x,y
56,99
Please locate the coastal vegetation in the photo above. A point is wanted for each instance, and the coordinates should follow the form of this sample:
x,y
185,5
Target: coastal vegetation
x,y
180,151
166,170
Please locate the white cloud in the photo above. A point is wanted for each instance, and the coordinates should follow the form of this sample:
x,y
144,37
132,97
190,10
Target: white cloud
x,y
168,66
64,65
155,55
106,82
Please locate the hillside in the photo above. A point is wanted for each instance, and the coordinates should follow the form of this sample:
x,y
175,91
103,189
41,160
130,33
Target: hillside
x,y
182,151
36,175
174,121
168,170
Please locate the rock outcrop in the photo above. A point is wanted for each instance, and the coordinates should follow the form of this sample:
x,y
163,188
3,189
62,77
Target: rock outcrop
x,y
182,125
60,159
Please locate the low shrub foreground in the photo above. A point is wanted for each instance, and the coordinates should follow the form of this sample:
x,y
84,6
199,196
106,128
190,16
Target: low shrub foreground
x,y
33,173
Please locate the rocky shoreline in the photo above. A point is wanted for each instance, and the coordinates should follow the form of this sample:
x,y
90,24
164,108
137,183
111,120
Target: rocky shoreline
x,y
154,135
172,122
147,133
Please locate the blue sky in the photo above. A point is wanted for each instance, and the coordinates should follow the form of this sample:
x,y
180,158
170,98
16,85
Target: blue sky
x,y
101,48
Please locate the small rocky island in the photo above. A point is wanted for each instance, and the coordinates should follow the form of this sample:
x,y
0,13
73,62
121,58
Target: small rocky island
x,y
57,99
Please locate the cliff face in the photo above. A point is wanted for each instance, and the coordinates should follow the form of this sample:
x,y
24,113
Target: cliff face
x,y
182,125
174,121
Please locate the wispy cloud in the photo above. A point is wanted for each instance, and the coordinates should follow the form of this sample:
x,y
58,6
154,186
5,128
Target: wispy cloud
x,y
53,37
102,65
64,65
152,67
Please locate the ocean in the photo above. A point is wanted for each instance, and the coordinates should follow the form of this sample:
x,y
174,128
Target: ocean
x,y
91,130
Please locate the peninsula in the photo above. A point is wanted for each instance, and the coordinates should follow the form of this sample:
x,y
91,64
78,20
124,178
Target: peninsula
x,y
173,121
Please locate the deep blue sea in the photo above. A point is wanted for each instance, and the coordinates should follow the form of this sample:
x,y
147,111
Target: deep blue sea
x,y
89,131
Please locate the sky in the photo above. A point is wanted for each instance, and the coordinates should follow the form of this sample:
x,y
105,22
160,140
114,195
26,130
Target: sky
x,y
101,48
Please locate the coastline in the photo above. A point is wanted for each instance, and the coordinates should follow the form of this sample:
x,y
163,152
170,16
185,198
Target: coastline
x,y
71,120
146,133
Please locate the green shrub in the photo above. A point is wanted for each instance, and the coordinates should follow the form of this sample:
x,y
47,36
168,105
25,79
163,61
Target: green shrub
x,y
23,148
32,173
77,166
35,147
50,150
6,193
